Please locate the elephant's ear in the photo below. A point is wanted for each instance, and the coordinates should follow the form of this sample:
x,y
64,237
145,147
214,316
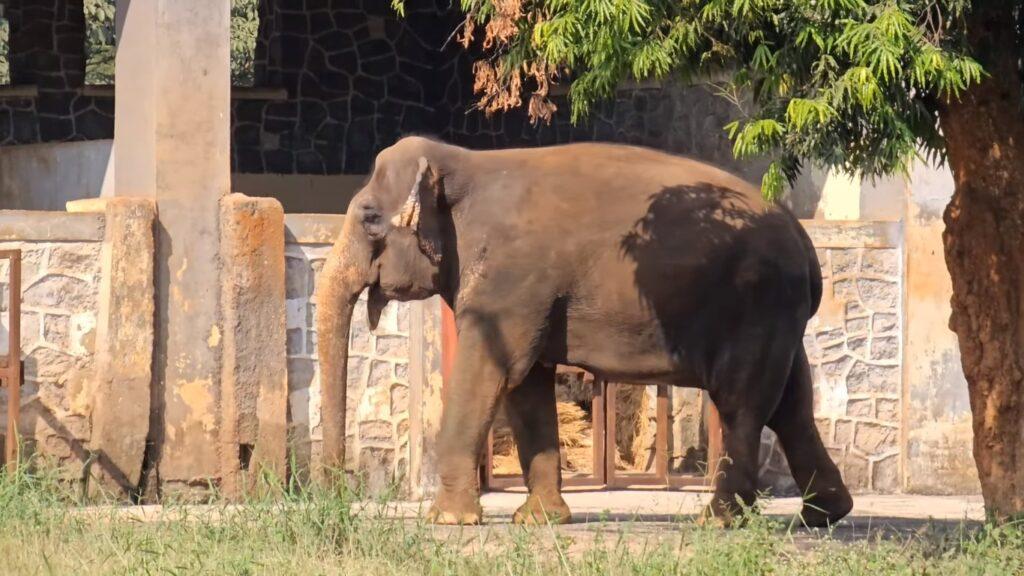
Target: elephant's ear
x,y
421,211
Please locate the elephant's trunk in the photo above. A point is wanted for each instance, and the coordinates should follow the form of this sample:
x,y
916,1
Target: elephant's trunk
x,y
346,273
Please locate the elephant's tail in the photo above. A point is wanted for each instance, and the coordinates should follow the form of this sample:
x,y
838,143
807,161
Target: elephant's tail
x,y
813,270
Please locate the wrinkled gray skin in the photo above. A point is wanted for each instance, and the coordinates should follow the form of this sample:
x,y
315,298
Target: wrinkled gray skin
x,y
638,266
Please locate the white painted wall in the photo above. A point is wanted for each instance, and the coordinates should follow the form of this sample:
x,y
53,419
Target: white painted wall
x,y
46,176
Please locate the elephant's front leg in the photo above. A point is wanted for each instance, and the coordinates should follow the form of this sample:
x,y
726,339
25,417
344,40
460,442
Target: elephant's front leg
x,y
533,414
484,366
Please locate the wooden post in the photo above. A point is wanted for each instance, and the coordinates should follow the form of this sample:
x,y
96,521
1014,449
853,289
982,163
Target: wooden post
x,y
12,364
599,466
713,424
661,436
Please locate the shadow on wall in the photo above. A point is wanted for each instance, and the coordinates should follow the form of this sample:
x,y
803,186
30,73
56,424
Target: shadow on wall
x,y
58,440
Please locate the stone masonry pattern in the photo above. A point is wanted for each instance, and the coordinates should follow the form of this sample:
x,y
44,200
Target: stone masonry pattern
x,y
377,435
60,299
358,78
47,49
854,346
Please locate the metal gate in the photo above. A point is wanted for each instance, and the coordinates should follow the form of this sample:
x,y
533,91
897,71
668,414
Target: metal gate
x,y
604,473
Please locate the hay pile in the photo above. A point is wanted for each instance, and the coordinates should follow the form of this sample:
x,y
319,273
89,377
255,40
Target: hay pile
x,y
574,435
634,428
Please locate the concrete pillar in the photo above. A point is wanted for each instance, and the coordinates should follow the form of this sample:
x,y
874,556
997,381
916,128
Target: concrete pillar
x,y
172,144
134,91
937,457
124,343
254,381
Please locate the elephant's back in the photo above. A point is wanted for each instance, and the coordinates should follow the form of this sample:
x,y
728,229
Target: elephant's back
x,y
611,172
648,252
580,202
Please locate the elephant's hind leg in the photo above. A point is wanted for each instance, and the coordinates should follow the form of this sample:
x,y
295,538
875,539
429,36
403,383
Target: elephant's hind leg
x,y
736,473
533,414
826,498
747,382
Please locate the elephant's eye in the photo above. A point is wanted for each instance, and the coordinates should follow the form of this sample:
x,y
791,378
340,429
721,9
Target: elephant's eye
x,y
373,221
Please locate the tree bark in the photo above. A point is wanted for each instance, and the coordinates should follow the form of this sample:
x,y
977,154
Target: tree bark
x,y
984,247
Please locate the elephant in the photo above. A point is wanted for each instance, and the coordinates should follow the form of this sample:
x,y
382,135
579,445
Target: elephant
x,y
633,264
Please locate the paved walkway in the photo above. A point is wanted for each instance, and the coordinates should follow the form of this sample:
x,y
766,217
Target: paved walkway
x,y
589,506
648,515
651,516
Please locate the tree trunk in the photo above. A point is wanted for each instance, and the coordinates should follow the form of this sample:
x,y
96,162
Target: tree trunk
x,y
984,246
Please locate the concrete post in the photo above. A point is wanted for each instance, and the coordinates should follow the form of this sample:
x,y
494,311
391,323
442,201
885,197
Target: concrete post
x,y
135,96
124,343
173,143
254,381
938,457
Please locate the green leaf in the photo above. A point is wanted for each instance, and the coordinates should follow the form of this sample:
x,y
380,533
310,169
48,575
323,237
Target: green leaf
x,y
773,183
842,83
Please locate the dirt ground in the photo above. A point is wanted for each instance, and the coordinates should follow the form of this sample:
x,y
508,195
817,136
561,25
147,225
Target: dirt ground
x,y
634,532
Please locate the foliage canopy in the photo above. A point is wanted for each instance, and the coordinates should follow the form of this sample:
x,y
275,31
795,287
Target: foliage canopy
x,y
850,84
100,41
5,66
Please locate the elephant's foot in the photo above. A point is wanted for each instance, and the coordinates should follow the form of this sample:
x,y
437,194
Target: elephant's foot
x,y
723,512
825,509
452,511
543,510
714,518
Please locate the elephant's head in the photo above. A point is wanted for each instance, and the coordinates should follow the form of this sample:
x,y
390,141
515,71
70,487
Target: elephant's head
x,y
391,243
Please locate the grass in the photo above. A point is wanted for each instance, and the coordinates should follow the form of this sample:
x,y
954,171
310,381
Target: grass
x,y
44,531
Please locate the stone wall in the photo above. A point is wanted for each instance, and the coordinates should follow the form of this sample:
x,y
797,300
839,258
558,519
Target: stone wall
x,y
47,50
854,345
61,278
358,76
379,413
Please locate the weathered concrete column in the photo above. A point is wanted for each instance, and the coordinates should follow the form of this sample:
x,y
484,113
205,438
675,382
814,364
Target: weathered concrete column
x,y
135,96
124,343
254,378
172,143
938,456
